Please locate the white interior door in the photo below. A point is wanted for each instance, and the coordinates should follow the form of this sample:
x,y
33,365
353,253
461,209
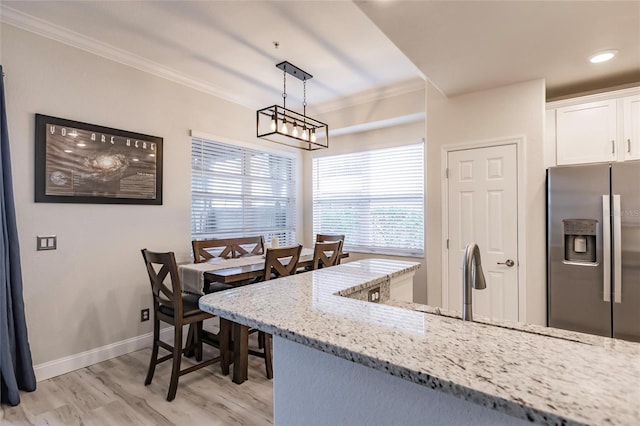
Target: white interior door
x,y
482,206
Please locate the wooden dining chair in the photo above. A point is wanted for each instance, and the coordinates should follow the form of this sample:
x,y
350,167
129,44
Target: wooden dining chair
x,y
326,254
172,306
225,248
279,262
323,238
204,250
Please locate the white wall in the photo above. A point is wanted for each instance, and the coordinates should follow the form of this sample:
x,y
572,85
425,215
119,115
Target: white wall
x,y
513,110
385,110
319,388
88,293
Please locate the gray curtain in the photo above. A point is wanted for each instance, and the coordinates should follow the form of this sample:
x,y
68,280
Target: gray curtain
x,y
16,371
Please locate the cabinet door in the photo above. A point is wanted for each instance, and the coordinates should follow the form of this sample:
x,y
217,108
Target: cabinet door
x,y
631,138
586,133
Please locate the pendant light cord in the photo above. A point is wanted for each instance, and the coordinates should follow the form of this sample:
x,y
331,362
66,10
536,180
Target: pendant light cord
x,y
304,99
284,88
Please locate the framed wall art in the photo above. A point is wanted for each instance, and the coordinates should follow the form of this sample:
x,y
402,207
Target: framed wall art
x,y
83,163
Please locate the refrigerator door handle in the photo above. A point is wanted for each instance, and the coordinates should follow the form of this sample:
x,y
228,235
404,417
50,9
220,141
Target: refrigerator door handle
x,y
617,251
606,248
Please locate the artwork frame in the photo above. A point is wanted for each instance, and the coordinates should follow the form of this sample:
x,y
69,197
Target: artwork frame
x,y
78,162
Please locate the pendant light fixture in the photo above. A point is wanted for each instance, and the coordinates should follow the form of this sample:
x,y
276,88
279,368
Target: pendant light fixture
x,y
279,124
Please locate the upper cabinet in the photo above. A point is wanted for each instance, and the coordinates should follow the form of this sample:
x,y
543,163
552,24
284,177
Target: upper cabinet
x,y
631,133
586,133
595,128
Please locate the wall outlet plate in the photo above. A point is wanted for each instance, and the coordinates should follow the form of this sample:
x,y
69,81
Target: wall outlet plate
x,y
144,315
374,295
48,242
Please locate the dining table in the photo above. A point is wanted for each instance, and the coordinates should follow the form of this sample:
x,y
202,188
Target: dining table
x,y
233,338
235,271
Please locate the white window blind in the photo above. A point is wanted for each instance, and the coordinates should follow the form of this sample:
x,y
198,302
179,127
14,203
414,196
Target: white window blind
x,y
238,192
375,198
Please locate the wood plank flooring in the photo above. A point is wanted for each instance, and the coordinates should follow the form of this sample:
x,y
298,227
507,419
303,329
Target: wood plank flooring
x,y
113,393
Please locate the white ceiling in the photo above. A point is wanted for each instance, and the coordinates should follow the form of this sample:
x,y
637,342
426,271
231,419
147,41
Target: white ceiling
x,y
465,46
226,47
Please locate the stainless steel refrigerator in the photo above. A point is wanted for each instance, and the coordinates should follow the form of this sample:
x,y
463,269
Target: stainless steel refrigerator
x,y
593,249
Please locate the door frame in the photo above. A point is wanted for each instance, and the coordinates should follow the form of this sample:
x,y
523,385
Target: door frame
x,y
520,143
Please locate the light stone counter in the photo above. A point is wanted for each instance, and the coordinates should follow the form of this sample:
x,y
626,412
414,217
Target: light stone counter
x,y
543,375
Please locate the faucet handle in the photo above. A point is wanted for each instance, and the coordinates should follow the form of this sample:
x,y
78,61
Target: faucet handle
x,y
509,263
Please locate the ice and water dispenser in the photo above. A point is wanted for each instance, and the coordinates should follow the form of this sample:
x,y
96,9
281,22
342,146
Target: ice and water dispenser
x,y
580,240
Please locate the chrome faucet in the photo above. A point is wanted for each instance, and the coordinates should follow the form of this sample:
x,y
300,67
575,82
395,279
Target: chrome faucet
x,y
472,276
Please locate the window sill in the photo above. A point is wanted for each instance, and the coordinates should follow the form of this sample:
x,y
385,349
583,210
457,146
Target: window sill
x,y
413,255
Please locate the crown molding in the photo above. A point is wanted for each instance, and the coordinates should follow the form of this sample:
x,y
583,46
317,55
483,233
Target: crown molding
x,y
63,35
71,38
593,96
371,95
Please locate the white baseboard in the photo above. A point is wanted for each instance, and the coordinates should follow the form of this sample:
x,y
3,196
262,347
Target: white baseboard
x,y
70,363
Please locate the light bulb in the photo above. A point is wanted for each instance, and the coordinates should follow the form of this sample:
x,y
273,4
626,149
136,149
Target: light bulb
x,y
603,56
273,123
313,135
284,129
305,134
295,130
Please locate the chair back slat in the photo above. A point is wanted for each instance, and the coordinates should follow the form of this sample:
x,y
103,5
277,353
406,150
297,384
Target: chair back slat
x,y
322,238
282,261
160,287
163,277
204,250
326,254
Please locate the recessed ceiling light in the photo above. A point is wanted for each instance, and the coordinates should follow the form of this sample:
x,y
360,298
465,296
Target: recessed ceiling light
x,y
602,56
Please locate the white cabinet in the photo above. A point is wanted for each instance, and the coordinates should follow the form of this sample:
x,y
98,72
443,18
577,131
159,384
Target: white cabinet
x,y
631,132
597,128
586,133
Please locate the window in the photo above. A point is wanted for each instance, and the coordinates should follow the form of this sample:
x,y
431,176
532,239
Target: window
x,y
375,198
237,191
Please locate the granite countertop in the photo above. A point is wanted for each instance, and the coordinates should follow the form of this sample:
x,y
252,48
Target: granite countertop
x,y
545,375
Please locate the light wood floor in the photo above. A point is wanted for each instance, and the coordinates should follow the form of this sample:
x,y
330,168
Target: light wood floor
x,y
113,393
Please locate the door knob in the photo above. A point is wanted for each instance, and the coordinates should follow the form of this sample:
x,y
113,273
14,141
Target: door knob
x,y
509,263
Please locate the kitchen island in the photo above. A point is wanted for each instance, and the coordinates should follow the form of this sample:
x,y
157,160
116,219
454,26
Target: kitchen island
x,y
339,359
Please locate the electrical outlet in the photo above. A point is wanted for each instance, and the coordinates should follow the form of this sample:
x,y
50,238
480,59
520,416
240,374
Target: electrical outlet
x,y
144,315
374,295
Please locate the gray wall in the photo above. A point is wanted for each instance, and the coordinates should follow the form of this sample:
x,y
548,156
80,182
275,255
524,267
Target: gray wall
x,y
88,293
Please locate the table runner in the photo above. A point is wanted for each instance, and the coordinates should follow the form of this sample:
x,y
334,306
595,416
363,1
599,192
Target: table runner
x,y
192,274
